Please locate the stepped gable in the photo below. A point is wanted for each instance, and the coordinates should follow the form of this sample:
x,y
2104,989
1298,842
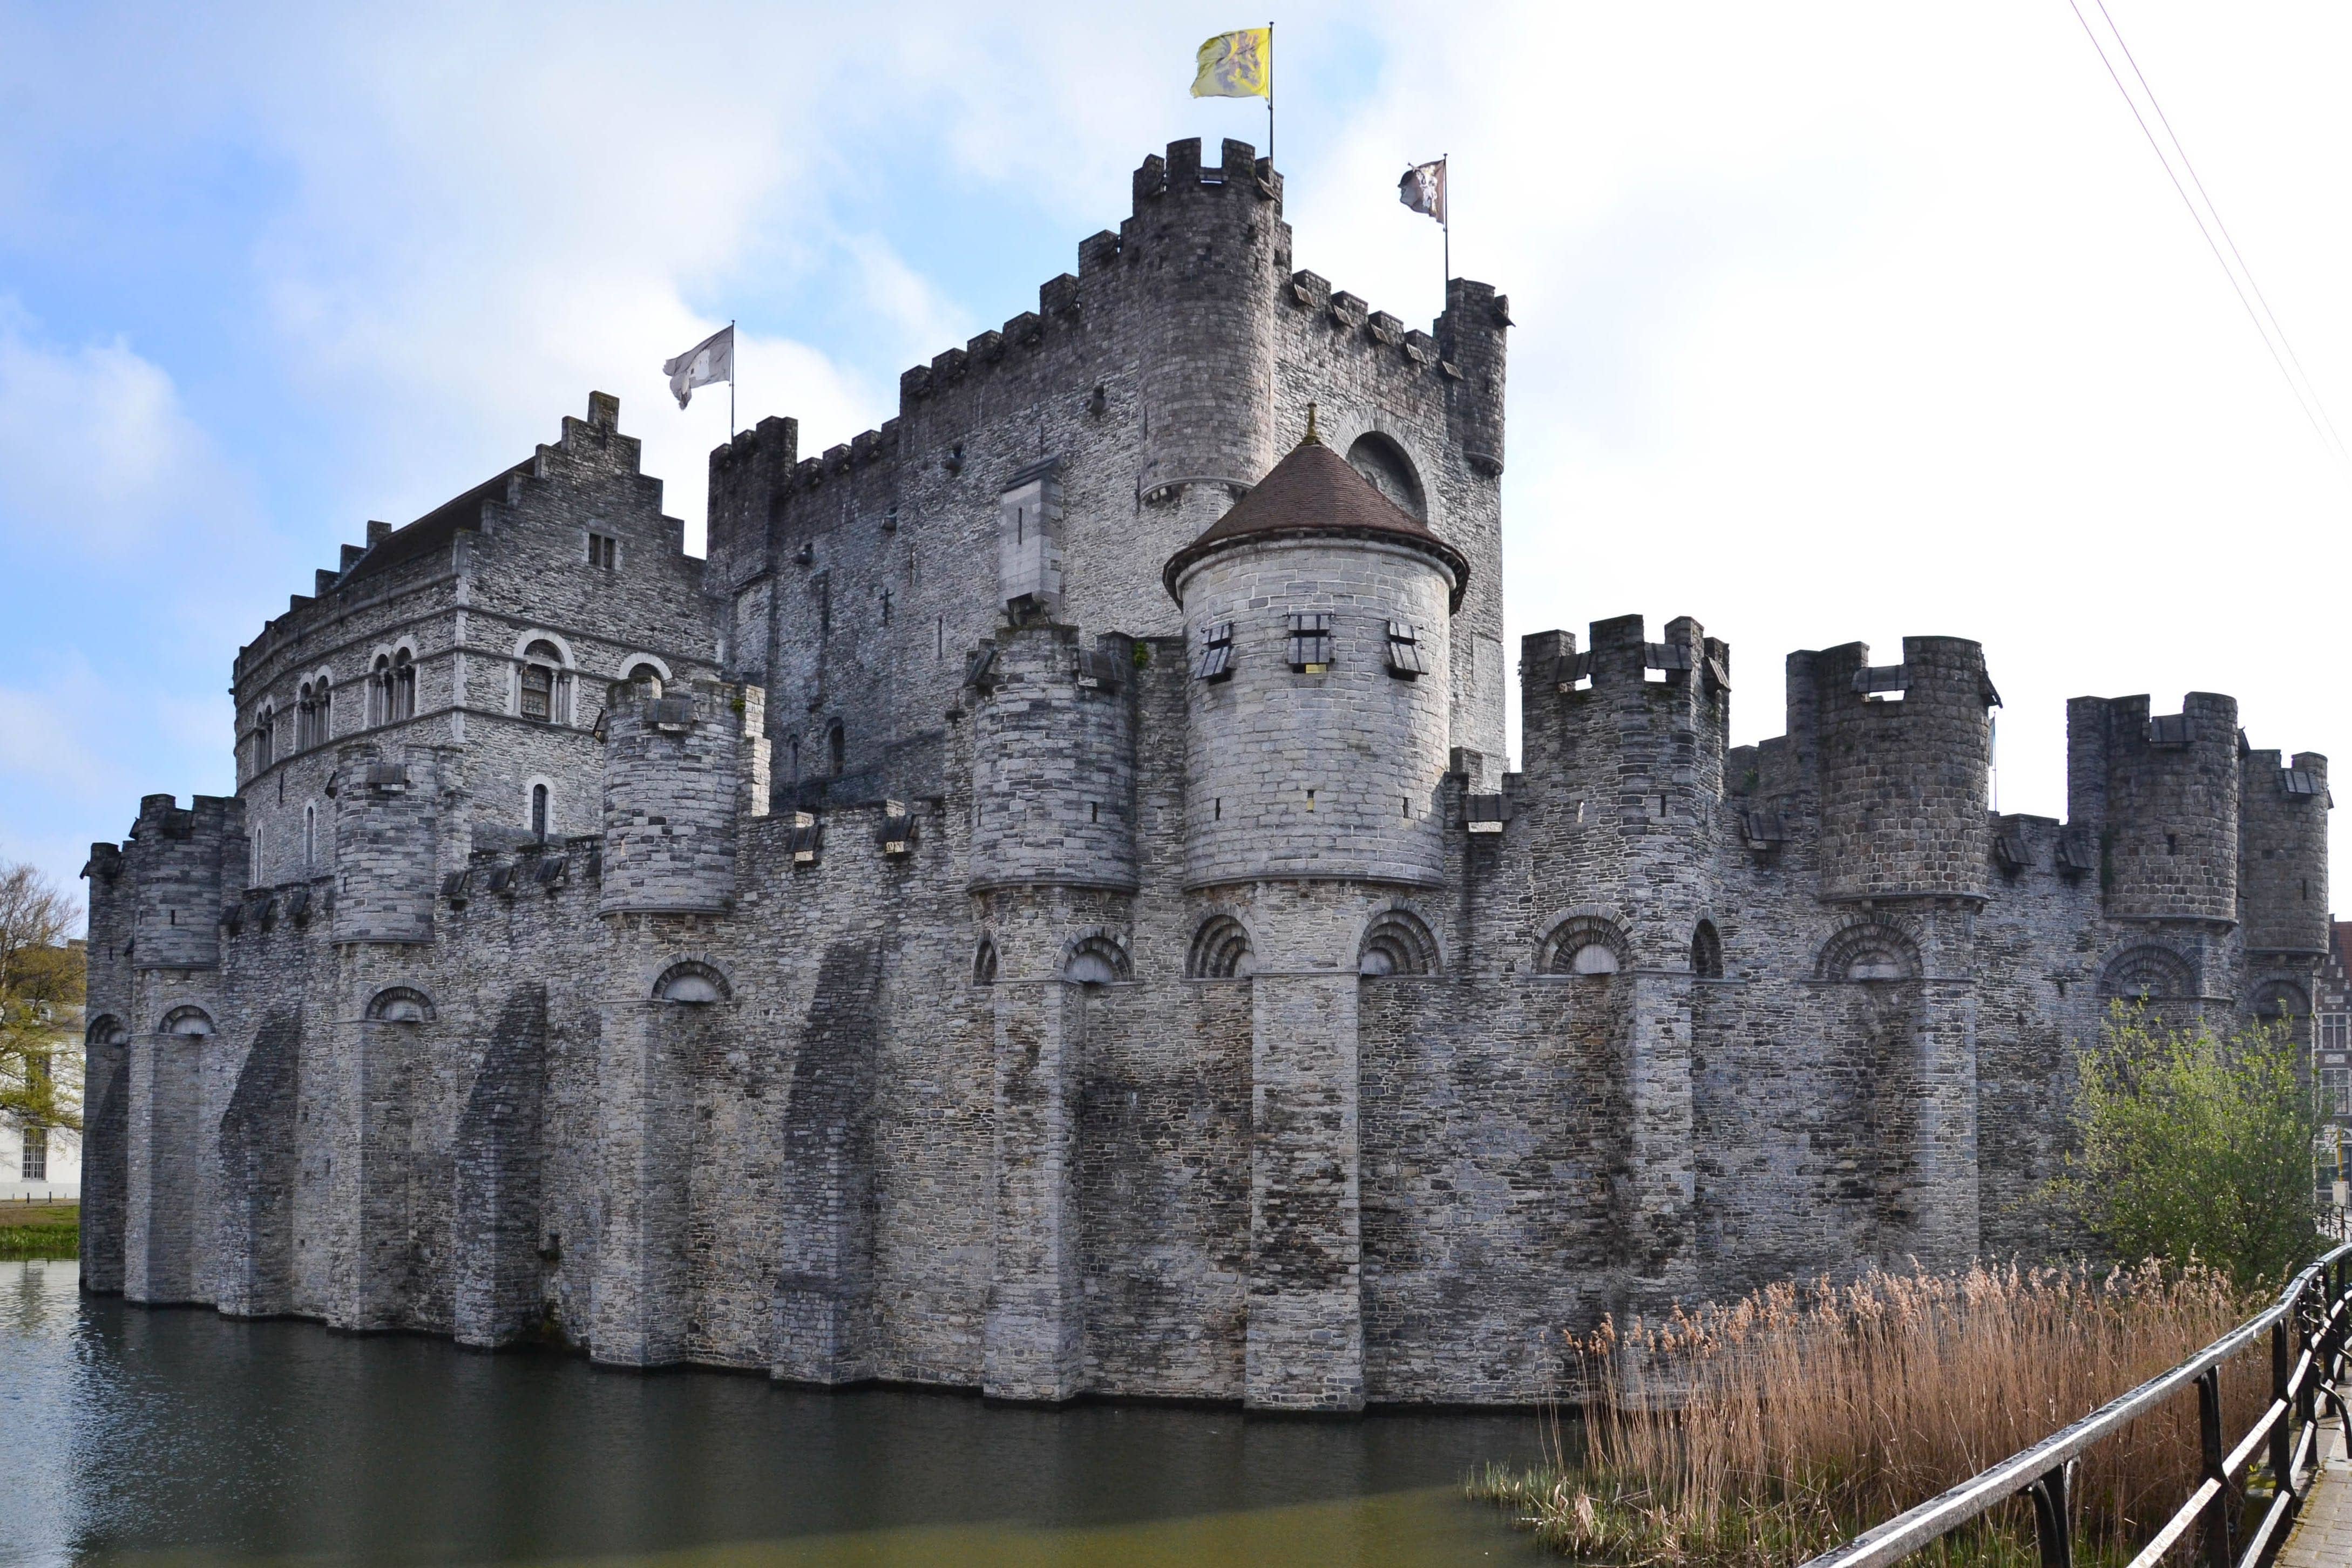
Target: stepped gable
x,y
1316,492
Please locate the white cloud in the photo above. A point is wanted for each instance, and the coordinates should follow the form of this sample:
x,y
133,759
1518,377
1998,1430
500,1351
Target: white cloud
x,y
97,455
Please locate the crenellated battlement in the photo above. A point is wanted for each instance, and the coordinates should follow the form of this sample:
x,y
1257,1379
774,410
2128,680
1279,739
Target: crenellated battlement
x,y
2162,792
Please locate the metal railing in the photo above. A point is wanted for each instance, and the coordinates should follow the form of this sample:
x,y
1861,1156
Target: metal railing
x,y
2316,1310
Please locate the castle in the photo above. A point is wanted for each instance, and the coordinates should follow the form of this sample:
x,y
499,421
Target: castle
x,y
1040,908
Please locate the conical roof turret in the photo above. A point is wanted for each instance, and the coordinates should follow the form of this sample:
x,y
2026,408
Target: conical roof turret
x,y
1316,492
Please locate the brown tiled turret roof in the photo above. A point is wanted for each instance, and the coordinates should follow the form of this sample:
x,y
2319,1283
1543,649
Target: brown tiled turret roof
x,y
1316,492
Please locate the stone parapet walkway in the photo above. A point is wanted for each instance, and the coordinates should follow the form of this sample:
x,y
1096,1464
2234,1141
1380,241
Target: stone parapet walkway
x,y
2323,1535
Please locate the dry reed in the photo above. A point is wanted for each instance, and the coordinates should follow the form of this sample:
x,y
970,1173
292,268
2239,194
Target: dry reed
x,y
1757,1434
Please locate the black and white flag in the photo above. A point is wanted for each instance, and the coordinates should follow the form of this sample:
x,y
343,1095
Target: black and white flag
x,y
707,363
1423,189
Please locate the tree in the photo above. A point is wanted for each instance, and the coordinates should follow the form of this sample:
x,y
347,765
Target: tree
x,y
41,986
2197,1144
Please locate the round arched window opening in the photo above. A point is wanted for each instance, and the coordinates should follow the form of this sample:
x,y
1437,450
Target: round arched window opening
x,y
1383,463
1877,965
1397,943
645,675
698,984
191,1022
984,964
400,1004
1706,952
1221,950
1592,959
1095,961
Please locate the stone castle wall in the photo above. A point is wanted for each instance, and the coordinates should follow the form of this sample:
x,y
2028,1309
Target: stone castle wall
x,y
1039,1034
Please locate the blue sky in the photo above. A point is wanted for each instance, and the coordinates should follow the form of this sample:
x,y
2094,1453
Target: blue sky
x,y
1835,322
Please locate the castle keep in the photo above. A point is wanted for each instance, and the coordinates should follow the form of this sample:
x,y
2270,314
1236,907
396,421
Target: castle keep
x,y
1041,907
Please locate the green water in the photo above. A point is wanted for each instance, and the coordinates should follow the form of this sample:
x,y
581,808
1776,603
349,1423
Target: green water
x,y
132,1435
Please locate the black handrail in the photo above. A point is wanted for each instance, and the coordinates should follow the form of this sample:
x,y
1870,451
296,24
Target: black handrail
x,y
2044,1471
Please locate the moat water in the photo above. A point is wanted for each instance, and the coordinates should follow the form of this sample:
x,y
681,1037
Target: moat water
x,y
132,1435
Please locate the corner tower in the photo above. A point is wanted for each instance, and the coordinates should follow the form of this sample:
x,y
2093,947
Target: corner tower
x,y
1316,619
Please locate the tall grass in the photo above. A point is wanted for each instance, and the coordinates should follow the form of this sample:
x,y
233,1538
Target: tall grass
x,y
1757,1434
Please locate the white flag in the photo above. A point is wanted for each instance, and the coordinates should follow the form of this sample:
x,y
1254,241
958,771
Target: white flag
x,y
1423,189
707,362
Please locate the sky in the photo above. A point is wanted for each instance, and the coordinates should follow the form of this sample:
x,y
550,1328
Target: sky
x,y
1834,322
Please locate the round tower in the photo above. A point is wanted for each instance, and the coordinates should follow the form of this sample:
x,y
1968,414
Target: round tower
x,y
385,822
2169,832
1315,617
1054,762
677,769
1211,247
1905,754
2282,852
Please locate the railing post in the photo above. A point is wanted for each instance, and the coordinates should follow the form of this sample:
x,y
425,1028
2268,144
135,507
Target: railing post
x,y
2282,1433
2208,1431
2054,1518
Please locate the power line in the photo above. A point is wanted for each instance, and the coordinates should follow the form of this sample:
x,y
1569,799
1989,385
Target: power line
x,y
2293,386
2219,222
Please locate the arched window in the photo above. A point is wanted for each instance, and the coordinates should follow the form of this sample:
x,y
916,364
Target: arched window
x,y
400,1004
984,964
642,676
1221,950
404,685
793,744
305,709
107,1030
1869,950
1397,943
193,1022
257,874
538,810
265,738
1585,945
1096,960
1383,462
692,982
836,750
1706,952
541,676
311,835
322,715
2277,999
2148,973
379,696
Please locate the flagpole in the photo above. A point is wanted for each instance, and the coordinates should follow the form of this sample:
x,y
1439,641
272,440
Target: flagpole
x,y
1445,184
732,349
1269,95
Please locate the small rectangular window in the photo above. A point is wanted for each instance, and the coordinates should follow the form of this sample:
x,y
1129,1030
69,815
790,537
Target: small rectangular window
x,y
1215,659
36,1155
603,551
1404,651
1310,643
2336,1031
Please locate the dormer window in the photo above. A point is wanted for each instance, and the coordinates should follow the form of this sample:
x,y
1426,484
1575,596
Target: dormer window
x,y
1310,643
